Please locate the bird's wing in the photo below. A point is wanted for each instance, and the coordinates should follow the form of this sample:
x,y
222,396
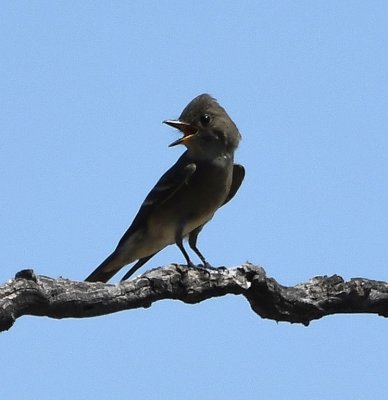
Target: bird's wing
x,y
177,176
238,177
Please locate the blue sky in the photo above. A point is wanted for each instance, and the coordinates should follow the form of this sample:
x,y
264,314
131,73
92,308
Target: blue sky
x,y
84,87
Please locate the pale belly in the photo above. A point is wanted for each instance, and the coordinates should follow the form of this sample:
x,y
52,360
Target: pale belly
x,y
177,217
142,244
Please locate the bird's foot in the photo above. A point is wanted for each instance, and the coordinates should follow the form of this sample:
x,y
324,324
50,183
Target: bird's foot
x,y
208,265
205,266
190,264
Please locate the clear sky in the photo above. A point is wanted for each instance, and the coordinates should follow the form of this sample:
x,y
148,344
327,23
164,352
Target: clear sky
x,y
84,86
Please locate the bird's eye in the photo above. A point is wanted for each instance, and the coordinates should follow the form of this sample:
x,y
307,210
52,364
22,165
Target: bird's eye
x,y
205,119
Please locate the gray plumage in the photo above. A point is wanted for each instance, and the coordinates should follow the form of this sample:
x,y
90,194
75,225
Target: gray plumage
x,y
186,197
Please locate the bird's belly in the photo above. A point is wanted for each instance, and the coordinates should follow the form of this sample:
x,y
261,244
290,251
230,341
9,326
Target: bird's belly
x,y
188,210
163,233
194,223
159,234
145,242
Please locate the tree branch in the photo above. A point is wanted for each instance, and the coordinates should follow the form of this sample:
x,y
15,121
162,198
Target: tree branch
x,y
28,294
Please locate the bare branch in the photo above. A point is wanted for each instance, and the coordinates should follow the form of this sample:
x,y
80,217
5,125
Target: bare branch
x,y
28,294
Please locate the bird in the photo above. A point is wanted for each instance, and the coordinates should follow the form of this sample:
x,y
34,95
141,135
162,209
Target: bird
x,y
186,197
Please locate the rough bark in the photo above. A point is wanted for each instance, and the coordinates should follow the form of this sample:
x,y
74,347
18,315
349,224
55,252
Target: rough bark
x,y
30,294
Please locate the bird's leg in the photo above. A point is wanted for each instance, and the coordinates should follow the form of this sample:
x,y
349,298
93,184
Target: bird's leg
x,y
139,264
193,236
179,243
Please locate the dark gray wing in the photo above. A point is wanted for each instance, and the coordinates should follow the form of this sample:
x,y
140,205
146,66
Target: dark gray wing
x,y
178,175
238,177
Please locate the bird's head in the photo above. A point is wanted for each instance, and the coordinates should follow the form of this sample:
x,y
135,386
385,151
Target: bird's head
x,y
207,129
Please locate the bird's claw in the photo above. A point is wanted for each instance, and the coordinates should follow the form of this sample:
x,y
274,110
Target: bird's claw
x,y
208,266
190,264
205,267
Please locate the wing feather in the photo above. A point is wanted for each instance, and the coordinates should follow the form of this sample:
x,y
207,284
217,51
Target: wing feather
x,y
178,175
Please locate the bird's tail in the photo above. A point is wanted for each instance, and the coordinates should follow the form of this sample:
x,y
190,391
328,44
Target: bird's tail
x,y
106,269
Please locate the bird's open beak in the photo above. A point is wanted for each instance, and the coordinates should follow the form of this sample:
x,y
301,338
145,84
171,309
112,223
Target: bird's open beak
x,y
188,130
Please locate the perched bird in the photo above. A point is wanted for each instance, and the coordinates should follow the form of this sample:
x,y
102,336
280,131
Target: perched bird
x,y
186,197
